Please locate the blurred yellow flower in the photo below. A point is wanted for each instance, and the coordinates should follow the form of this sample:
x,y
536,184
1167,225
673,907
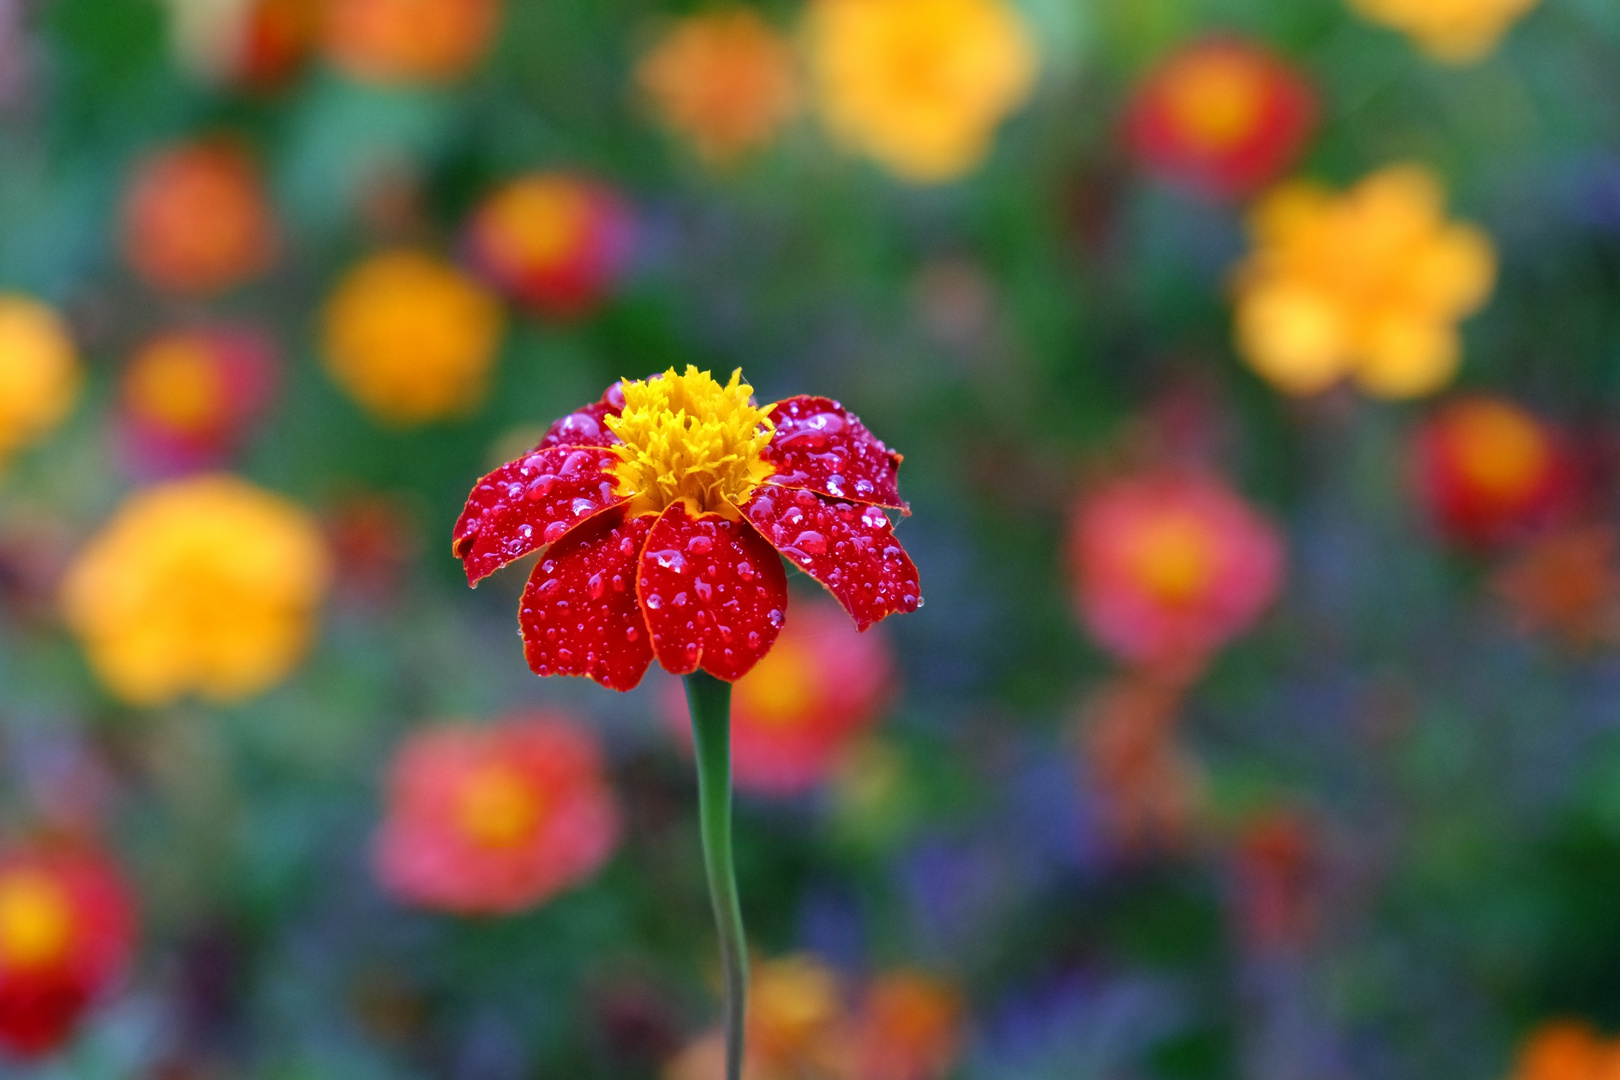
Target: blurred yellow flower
x,y
1451,31
206,585
39,372
919,85
1368,284
724,79
411,338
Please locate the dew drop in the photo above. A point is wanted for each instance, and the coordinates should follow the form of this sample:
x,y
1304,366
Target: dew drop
x,y
654,602
554,532
596,585
699,545
775,618
812,542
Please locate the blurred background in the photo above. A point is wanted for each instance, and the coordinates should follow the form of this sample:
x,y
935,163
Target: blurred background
x,y
1256,368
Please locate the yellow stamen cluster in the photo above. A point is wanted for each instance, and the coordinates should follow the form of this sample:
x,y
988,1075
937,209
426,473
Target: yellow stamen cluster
x,y
686,437
36,920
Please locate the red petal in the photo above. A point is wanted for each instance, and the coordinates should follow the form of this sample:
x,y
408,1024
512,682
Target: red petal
x,y
847,547
584,427
528,503
713,593
821,447
580,615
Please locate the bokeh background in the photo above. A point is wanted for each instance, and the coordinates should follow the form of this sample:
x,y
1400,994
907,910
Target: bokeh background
x,y
1256,368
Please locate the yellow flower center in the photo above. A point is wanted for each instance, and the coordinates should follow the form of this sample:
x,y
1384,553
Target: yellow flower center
x,y
1499,449
687,438
540,221
176,383
1173,559
1216,100
36,920
499,808
780,689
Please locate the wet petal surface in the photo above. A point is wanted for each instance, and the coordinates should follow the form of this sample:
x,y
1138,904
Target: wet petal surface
x,y
580,615
821,447
847,547
531,502
583,427
713,592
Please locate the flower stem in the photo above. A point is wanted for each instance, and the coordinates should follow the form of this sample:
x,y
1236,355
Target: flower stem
x,y
709,699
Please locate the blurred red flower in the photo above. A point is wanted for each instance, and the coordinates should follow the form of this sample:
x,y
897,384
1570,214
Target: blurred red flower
x,y
554,241
1277,867
408,41
196,219
67,930
276,41
1169,566
794,714
495,819
188,398
1223,117
1566,583
909,1027
661,509
1145,788
1490,471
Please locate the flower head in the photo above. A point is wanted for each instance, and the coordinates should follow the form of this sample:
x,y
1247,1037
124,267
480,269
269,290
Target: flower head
x,y
411,338
39,372
1451,31
724,79
909,1027
1222,116
67,928
553,241
1567,1050
408,41
1369,284
189,397
792,717
1566,583
205,585
919,85
1490,470
196,219
1277,877
660,510
495,819
257,44
1168,567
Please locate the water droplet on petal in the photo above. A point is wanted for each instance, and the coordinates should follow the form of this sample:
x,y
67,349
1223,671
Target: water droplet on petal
x,y
554,531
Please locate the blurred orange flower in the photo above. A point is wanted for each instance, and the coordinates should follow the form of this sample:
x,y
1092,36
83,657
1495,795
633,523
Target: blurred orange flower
x,y
196,219
1146,789
1451,31
411,338
1369,284
189,397
793,715
1567,1050
1169,566
723,79
408,41
909,1027
258,44
39,372
495,819
1568,584
67,929
1489,470
919,85
554,241
206,585
1222,116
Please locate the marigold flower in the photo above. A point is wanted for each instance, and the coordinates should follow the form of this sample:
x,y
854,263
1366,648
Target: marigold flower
x,y
206,585
189,397
1489,470
797,1027
909,1027
1567,1050
1369,284
723,79
802,705
411,338
1170,566
1451,31
39,372
553,241
919,85
67,929
1222,116
660,510
196,219
495,819
408,41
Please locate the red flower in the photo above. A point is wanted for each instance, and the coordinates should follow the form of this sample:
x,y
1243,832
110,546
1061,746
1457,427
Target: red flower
x,y
1223,117
820,686
196,219
1490,471
661,509
67,928
1278,869
1169,567
189,397
553,241
495,819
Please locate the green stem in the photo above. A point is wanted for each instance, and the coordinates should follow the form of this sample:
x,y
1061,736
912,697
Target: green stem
x,y
709,699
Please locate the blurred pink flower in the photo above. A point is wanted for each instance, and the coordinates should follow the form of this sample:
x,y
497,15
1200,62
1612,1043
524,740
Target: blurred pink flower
x,y
188,398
